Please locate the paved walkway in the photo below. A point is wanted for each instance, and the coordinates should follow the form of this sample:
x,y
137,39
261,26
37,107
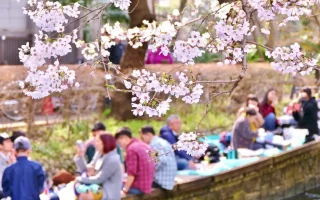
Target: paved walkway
x,y
6,123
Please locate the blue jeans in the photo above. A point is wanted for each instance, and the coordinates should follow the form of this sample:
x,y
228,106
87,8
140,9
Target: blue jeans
x,y
135,191
270,122
182,163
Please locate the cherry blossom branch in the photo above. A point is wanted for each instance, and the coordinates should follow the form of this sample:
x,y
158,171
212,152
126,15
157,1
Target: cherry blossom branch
x,y
252,42
204,17
208,106
91,11
219,81
244,43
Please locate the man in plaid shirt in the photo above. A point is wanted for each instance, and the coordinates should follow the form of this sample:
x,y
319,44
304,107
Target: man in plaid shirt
x,y
166,167
140,168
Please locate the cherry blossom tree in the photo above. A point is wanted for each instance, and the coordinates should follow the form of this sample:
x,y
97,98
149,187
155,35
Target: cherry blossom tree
x,y
229,28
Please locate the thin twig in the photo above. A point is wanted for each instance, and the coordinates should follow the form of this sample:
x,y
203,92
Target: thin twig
x,y
208,106
203,17
219,81
252,42
134,7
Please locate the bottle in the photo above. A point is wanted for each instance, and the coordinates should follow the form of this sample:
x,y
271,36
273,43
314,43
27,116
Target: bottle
x,y
207,158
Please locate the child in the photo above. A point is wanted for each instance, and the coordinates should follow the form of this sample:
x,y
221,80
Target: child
x,y
93,191
23,179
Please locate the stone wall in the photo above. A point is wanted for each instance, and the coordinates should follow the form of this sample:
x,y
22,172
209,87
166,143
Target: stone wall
x,y
279,177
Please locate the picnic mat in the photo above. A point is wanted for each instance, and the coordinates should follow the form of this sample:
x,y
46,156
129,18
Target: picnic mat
x,y
219,167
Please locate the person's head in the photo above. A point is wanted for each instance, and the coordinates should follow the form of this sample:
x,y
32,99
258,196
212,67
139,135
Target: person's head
x,y
105,143
252,100
147,133
6,144
98,128
270,96
250,114
123,137
306,93
174,123
117,40
16,134
22,146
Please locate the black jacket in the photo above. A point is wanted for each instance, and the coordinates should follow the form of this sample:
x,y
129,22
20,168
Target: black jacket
x,y
307,118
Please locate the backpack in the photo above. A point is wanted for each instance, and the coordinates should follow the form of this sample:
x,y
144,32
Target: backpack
x,y
225,138
213,154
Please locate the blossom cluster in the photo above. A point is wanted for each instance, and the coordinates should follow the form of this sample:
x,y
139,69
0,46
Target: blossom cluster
x,y
145,85
122,4
190,142
186,51
109,35
34,57
50,16
291,60
39,84
159,35
291,10
230,31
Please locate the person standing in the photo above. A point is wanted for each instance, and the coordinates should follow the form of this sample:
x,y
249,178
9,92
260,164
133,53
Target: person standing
x,y
6,156
170,133
23,180
307,116
139,167
166,166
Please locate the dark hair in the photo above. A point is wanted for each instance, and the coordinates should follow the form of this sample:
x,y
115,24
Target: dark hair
x,y
16,134
252,97
98,127
147,129
109,142
124,131
265,99
307,91
22,150
251,111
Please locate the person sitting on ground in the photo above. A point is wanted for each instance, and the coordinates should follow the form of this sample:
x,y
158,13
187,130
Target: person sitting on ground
x,y
90,151
242,135
267,110
89,144
307,116
170,133
140,168
166,166
25,178
253,102
107,171
6,156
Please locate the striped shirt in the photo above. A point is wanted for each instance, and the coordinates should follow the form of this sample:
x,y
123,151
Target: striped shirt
x,y
166,168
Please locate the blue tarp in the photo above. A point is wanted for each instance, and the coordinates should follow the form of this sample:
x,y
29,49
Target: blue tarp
x,y
220,167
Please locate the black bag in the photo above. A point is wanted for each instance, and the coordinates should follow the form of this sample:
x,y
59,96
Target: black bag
x,y
213,154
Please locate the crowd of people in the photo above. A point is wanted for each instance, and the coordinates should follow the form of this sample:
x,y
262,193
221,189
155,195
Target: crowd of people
x,y
149,161
102,173
255,116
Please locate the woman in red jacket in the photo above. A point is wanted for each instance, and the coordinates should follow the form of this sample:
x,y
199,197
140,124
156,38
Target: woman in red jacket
x,y
268,111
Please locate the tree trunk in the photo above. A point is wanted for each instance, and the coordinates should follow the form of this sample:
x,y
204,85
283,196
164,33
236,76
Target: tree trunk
x,y
183,4
132,59
272,40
